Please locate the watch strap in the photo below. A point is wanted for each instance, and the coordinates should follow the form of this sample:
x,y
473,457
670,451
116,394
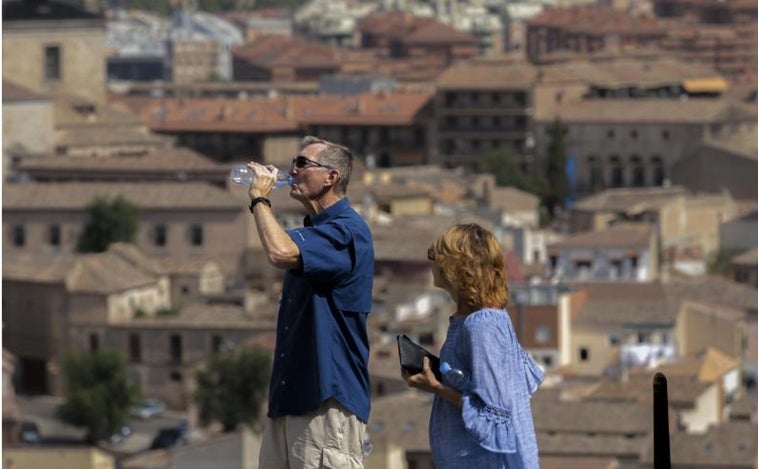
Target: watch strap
x,y
259,200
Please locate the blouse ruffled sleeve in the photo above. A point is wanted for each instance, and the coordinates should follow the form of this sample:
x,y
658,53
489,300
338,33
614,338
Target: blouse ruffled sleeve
x,y
488,344
490,426
534,374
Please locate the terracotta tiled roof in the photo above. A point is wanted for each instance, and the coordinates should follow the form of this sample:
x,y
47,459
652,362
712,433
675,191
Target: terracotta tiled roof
x,y
101,273
570,444
394,23
151,196
629,199
132,254
401,420
578,462
37,268
619,235
596,20
601,418
712,290
170,160
744,407
399,108
626,303
106,273
683,390
647,111
488,74
749,258
285,114
510,199
729,444
274,50
434,32
411,242
626,72
13,92
205,316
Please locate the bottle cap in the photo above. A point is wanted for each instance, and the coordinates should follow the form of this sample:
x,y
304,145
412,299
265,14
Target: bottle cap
x,y
445,367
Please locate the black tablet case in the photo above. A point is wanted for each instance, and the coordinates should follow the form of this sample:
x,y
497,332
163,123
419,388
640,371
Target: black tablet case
x,y
412,357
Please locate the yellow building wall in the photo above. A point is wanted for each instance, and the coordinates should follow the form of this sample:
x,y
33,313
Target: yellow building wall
x,y
58,458
82,59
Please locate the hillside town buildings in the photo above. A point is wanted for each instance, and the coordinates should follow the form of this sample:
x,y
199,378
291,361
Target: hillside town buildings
x,y
647,265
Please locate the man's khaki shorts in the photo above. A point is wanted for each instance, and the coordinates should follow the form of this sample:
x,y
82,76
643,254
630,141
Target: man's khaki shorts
x,y
330,438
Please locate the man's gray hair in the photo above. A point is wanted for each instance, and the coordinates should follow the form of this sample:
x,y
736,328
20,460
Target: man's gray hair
x,y
334,155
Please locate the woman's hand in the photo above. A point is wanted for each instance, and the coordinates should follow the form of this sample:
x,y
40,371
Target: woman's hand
x,y
426,381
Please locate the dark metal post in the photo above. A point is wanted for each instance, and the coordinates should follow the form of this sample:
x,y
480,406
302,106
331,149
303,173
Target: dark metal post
x,y
661,446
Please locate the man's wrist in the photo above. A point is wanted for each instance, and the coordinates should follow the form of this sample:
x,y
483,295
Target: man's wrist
x,y
259,200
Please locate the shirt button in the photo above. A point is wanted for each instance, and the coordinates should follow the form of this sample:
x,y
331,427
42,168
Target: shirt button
x,y
284,382
281,355
286,327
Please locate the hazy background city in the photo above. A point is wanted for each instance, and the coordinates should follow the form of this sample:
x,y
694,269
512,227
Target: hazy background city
x,y
611,146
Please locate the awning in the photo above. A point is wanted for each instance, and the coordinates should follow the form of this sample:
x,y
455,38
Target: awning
x,y
705,85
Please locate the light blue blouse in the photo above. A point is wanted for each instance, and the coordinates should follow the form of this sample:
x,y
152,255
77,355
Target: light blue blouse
x,y
494,428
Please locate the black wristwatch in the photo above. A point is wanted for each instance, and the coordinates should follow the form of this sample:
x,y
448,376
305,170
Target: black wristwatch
x,y
257,200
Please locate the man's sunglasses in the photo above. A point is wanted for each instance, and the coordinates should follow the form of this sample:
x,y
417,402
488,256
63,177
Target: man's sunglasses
x,y
302,162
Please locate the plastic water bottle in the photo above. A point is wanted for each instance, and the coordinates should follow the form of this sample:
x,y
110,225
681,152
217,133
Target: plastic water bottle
x,y
455,377
241,174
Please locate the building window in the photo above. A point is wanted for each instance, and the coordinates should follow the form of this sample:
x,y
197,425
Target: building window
x,y
175,348
617,172
611,134
543,334
638,172
175,376
196,235
94,342
584,354
52,63
665,134
160,235
596,173
613,339
658,173
135,348
216,342
19,236
634,134
55,235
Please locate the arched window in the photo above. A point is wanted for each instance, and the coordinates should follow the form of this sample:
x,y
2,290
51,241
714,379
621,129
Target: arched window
x,y
617,171
595,174
659,174
638,172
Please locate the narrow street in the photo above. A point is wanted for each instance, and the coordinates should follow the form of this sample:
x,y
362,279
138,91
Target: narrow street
x,y
41,410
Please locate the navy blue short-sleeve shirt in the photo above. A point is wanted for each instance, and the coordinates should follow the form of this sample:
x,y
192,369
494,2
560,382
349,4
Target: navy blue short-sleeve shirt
x,y
321,342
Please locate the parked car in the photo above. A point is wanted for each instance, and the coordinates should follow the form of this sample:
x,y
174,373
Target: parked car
x,y
148,408
29,433
170,436
120,435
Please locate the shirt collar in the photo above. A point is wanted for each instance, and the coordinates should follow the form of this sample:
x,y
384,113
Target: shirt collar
x,y
325,215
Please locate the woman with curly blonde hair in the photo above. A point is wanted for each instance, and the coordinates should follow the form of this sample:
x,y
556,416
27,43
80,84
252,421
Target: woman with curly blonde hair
x,y
487,424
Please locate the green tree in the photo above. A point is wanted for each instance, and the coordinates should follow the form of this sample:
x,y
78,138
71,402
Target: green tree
x,y
109,221
232,387
507,172
98,393
555,172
